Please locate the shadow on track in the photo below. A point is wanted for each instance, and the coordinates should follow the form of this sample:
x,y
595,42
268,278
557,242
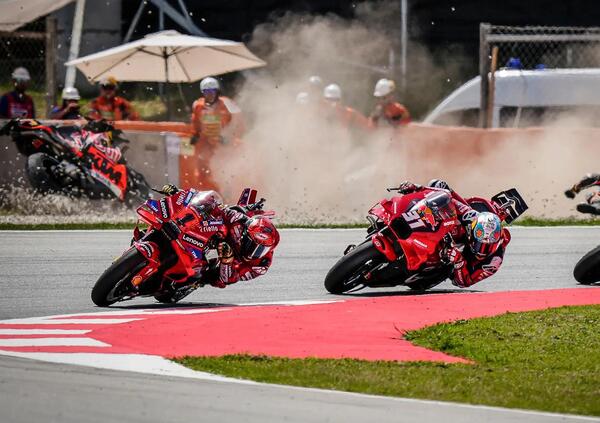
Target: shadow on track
x,y
161,306
407,293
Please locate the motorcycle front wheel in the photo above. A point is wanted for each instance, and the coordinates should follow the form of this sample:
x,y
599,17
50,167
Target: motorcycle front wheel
x,y
348,271
115,283
587,269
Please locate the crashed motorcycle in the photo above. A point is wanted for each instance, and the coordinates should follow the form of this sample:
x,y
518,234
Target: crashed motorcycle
x,y
405,238
176,253
76,160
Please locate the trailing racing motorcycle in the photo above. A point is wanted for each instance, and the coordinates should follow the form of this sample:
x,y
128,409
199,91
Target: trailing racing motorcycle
x,y
174,255
76,160
405,238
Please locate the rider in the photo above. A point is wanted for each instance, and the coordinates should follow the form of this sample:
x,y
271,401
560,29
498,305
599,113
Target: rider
x,y
592,199
482,233
247,252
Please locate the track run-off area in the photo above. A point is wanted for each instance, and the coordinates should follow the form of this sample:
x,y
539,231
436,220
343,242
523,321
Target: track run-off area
x,y
285,313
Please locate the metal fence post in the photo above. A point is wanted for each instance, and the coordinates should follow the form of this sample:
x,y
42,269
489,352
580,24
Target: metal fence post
x,y
51,51
484,69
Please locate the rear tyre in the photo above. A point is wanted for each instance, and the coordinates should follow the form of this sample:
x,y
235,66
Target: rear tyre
x,y
339,277
40,175
115,282
587,269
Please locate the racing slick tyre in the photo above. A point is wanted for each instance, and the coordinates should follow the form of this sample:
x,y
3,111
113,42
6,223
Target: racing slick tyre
x,y
587,269
344,274
40,175
115,282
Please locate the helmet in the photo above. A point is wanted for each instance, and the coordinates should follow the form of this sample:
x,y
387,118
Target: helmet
x,y
332,92
209,83
302,98
485,234
21,74
316,81
438,183
70,93
109,81
384,87
260,236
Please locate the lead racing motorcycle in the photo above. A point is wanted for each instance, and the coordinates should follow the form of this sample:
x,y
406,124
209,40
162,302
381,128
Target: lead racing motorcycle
x,y
173,256
405,238
75,160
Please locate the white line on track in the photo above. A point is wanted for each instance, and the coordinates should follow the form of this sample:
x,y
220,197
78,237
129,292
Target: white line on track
x,y
48,321
43,331
51,342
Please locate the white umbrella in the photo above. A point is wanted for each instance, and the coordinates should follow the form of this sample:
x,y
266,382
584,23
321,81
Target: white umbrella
x,y
168,56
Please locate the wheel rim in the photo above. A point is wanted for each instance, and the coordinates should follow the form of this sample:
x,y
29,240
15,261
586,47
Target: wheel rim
x,y
121,289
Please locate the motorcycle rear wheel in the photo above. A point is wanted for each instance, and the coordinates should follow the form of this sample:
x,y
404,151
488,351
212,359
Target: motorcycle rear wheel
x,y
40,174
118,275
587,269
338,277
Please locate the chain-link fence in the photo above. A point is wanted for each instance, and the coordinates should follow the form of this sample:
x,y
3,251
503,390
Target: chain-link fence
x,y
535,47
27,47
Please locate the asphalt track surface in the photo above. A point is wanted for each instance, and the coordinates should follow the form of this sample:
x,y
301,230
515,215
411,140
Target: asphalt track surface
x,y
46,273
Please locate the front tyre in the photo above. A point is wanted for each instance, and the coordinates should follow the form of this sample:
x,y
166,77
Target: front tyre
x,y
115,283
348,272
587,269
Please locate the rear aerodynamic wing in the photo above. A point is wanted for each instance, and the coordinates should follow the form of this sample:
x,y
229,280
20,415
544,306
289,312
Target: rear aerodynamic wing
x,y
512,203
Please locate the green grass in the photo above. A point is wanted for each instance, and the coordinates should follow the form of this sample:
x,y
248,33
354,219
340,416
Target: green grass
x,y
539,221
544,360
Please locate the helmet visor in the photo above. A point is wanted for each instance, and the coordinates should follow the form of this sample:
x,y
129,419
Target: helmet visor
x,y
252,251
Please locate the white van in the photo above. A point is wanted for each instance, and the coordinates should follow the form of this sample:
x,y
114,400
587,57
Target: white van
x,y
525,98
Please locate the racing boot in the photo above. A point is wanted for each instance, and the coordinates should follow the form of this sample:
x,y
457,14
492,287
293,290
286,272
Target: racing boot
x,y
591,205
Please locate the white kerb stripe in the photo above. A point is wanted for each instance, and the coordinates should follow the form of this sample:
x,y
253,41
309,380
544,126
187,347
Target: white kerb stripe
x,y
43,331
51,342
45,321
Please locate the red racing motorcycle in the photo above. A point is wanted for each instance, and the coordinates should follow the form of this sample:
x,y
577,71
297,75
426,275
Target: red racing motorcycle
x,y
405,238
172,257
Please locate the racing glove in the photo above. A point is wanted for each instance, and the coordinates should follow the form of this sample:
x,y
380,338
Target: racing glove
x,y
453,256
408,187
225,253
169,189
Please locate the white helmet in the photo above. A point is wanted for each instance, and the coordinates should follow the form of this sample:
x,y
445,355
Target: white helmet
x,y
302,98
384,87
21,74
70,93
332,92
209,83
316,81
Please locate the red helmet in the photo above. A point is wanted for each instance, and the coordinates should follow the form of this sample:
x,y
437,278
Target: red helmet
x,y
260,237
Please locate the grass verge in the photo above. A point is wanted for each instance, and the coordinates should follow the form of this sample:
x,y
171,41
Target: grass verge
x,y
544,360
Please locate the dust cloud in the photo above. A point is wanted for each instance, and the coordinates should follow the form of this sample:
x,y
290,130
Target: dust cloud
x,y
314,169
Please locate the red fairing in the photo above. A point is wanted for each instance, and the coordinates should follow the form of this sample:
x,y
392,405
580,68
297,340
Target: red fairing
x,y
428,227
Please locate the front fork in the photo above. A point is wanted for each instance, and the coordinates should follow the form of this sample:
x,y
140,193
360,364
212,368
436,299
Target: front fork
x,y
149,250
384,246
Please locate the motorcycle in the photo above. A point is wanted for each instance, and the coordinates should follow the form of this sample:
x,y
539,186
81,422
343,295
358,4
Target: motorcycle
x,y
75,160
405,237
175,254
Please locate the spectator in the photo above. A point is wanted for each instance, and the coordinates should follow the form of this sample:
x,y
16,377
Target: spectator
x,y
335,110
388,111
70,105
17,104
109,105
